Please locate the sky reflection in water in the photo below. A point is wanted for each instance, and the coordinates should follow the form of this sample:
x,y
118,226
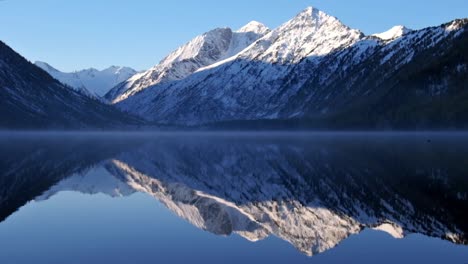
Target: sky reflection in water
x,y
233,198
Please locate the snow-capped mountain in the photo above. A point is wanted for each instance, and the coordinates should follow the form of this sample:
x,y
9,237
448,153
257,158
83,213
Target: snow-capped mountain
x,y
241,86
313,71
414,81
312,33
31,98
393,33
204,50
299,71
91,82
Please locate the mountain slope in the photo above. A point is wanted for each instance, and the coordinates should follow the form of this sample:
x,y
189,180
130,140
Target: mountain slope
x,y
240,87
416,81
318,71
91,81
202,51
31,98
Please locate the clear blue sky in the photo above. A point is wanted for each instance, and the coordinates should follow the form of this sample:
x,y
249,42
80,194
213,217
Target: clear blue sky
x,y
76,34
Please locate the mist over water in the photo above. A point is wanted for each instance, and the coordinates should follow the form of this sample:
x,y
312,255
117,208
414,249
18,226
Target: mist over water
x,y
209,197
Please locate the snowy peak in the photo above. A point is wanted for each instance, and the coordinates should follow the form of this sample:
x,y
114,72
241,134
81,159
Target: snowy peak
x,y
204,50
309,37
310,14
201,51
91,82
311,33
208,47
254,27
393,33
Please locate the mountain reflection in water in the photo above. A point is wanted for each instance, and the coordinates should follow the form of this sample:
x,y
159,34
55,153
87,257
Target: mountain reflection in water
x,y
313,191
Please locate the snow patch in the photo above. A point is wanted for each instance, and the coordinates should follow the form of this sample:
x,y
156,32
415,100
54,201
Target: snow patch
x,y
254,27
393,33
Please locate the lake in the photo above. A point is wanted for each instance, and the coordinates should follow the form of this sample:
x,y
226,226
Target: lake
x,y
233,197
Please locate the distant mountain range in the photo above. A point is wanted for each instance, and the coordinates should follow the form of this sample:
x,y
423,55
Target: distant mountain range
x,y
90,81
311,72
30,98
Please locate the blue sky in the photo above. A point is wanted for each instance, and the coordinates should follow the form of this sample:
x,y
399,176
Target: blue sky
x,y
77,34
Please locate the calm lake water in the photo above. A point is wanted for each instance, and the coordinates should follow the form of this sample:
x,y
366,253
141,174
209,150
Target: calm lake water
x,y
233,198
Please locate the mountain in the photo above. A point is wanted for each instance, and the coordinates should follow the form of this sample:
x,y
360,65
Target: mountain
x,y
240,87
91,81
204,50
31,98
317,72
393,33
311,72
416,81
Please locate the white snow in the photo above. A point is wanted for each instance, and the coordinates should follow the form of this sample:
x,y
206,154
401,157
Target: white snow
x,y
393,33
244,78
91,81
249,77
254,27
312,33
204,50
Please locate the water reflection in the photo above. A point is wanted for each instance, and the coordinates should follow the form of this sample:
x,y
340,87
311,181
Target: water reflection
x,y
311,191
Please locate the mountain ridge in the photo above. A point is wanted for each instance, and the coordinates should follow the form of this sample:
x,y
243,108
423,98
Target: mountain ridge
x,y
30,98
275,77
393,33
312,70
91,82
213,46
